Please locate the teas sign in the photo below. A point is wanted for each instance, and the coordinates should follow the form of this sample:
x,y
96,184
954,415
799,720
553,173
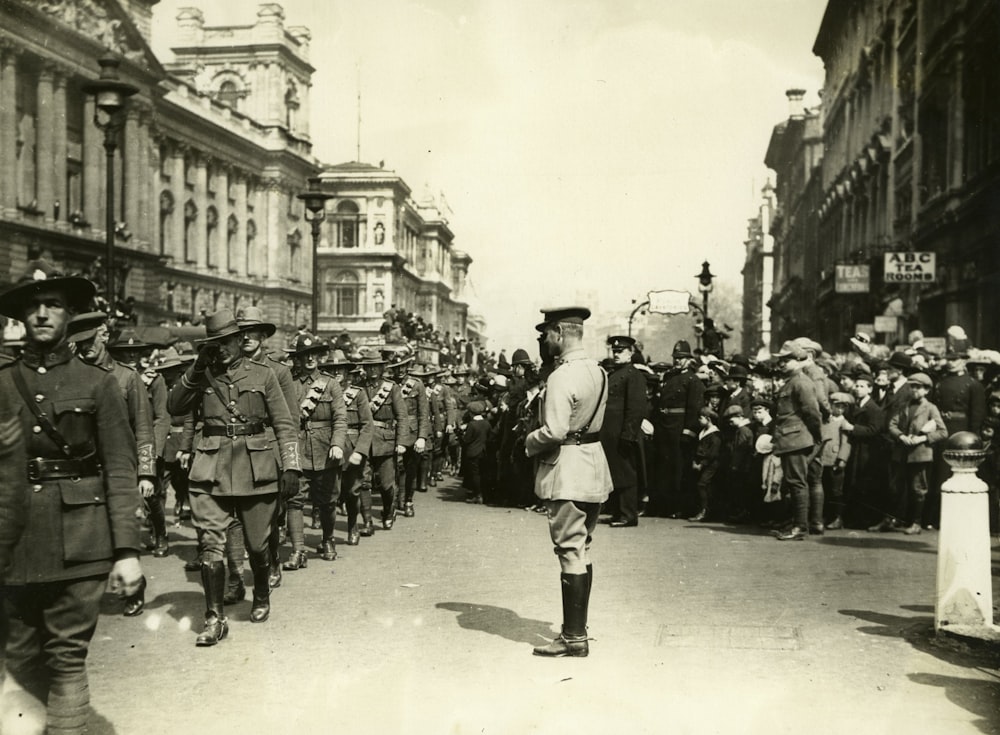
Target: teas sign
x,y
909,267
851,278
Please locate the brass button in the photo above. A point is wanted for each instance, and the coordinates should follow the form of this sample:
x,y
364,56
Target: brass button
x,y
42,370
36,488
233,419
232,403
39,398
36,429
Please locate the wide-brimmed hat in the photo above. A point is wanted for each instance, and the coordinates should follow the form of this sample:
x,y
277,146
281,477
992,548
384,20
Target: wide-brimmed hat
x,y
130,338
306,343
42,275
171,358
425,371
85,326
252,317
337,359
399,357
367,356
219,325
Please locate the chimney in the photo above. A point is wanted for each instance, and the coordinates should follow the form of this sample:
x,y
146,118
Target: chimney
x,y
796,111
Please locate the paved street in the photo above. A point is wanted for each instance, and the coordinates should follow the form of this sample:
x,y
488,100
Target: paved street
x,y
428,628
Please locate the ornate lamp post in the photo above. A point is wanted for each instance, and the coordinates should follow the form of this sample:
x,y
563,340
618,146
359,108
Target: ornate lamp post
x,y
315,202
110,100
705,286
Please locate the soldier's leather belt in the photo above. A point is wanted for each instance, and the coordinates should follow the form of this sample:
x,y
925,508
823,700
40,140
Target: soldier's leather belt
x,y
61,469
354,430
176,429
384,424
574,439
254,427
673,410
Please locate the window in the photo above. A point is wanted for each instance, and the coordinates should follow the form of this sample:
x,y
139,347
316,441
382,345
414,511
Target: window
x,y
344,294
190,220
346,225
166,216
212,237
229,94
251,242
232,227
295,255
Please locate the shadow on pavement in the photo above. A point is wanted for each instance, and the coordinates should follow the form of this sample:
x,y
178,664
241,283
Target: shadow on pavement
x,y
865,540
978,696
981,698
97,724
452,493
499,621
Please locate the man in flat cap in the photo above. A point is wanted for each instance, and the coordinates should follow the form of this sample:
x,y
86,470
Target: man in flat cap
x,y
572,476
620,433
234,468
81,530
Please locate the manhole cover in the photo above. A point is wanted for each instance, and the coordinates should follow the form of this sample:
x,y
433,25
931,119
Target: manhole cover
x,y
753,637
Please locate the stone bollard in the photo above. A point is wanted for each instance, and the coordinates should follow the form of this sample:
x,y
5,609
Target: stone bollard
x,y
964,604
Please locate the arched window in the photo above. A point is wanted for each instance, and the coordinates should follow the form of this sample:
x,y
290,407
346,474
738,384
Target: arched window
x,y
232,227
190,219
251,244
344,293
229,94
347,220
212,237
166,212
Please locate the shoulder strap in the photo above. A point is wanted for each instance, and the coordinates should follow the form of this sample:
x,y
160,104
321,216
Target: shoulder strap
x,y
232,409
604,385
47,426
311,399
350,394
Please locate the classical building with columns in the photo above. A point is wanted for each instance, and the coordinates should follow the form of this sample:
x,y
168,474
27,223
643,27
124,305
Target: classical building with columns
x,y
215,148
381,248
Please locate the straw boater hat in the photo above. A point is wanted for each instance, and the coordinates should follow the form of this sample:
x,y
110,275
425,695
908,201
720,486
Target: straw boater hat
x,y
42,275
218,326
251,317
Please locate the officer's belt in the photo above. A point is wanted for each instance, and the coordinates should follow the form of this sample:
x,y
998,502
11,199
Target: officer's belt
x,y
176,429
354,431
574,439
254,427
953,414
673,410
59,469
384,424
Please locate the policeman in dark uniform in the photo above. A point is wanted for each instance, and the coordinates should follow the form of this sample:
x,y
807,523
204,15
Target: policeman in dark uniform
x,y
418,427
322,419
235,468
388,441
675,424
358,442
81,530
620,432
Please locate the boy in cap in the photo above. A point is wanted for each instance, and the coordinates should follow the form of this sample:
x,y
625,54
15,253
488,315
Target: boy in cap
x,y
834,456
916,429
706,461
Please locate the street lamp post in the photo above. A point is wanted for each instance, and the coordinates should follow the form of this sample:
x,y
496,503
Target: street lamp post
x,y
110,100
705,286
315,202
631,316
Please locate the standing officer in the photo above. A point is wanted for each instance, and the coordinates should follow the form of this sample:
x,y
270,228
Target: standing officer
x,y
131,350
439,420
388,441
675,423
256,331
358,441
235,468
572,477
418,429
322,438
89,332
81,528
620,433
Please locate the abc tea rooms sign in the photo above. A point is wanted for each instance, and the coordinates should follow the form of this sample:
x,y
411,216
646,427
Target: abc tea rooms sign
x,y
909,267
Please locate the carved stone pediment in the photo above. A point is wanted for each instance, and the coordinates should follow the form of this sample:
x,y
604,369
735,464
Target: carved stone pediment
x,y
100,21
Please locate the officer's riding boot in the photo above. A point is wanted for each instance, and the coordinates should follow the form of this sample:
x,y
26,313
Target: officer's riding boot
x,y
327,514
235,551
213,579
352,503
158,519
273,552
261,608
297,535
367,526
573,639
68,706
388,508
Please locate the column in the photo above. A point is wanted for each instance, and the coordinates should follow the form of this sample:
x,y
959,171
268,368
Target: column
x,y
59,151
240,254
8,129
130,171
93,168
199,233
225,256
175,236
275,237
151,188
148,207
45,142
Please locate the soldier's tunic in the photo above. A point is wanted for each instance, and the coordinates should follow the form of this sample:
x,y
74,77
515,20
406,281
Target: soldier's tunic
x,y
14,493
358,439
439,421
675,423
235,466
389,431
453,415
418,426
80,514
322,424
140,413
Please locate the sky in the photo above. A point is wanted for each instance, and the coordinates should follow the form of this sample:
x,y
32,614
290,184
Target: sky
x,y
598,147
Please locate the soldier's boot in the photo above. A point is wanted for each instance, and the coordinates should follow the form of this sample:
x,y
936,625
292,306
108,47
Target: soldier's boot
x,y
235,551
388,508
158,520
68,706
572,641
367,525
261,608
273,549
327,549
296,530
352,504
213,579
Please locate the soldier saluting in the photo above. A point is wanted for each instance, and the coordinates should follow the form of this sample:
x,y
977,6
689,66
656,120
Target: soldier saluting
x,y
234,468
81,531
